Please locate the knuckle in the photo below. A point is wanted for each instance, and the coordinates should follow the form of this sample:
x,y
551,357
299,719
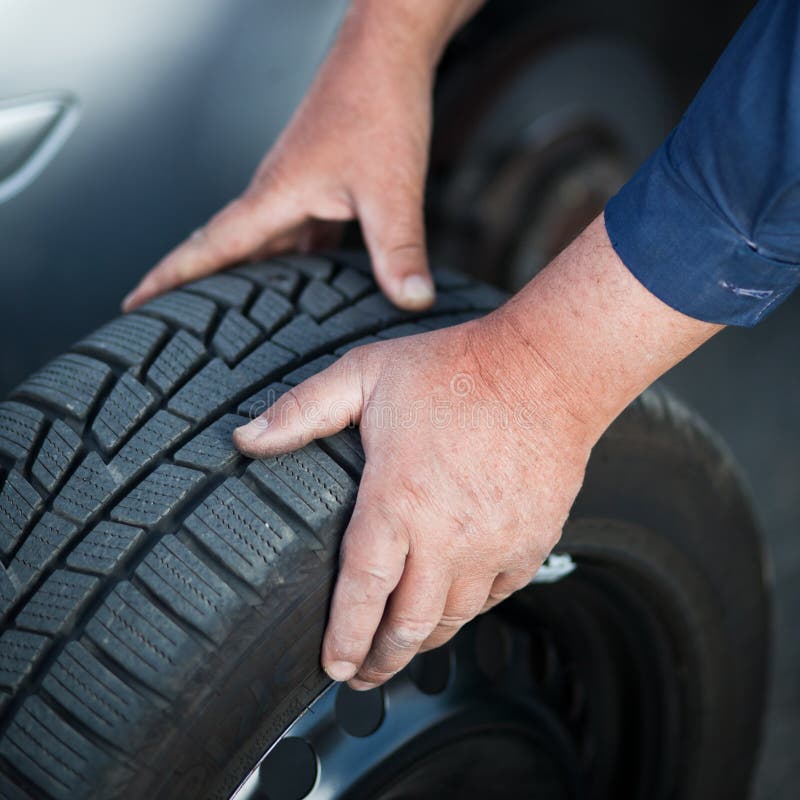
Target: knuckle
x,y
226,231
270,176
397,526
219,225
287,411
508,583
358,546
367,583
364,362
373,674
242,205
453,622
498,595
458,619
352,361
405,247
406,634
347,370
294,401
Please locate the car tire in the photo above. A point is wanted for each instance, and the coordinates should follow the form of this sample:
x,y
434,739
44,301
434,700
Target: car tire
x,y
164,598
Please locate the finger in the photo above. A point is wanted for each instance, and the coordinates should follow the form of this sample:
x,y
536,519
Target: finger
x,y
465,601
320,406
287,242
394,231
505,584
413,612
373,557
276,245
312,235
229,236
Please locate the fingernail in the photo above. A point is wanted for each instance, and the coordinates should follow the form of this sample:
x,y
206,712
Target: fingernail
x,y
340,670
128,299
361,686
418,290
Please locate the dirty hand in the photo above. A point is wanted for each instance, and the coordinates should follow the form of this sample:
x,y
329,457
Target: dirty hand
x,y
357,147
476,438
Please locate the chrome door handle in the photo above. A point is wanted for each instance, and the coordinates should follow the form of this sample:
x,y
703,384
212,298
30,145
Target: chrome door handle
x,y
32,130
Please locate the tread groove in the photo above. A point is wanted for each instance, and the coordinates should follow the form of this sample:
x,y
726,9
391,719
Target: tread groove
x,y
157,700
198,635
111,750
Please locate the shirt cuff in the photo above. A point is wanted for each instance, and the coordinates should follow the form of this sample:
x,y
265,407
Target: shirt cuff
x,y
687,255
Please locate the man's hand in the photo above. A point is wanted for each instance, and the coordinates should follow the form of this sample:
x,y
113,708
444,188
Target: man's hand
x,y
476,438
357,147
470,472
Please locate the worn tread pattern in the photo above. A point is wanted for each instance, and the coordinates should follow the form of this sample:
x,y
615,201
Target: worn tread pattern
x,y
133,536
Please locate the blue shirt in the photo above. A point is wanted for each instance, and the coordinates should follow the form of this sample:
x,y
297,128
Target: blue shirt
x,y
710,224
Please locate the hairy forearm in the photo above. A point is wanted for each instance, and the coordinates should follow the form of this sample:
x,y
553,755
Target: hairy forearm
x,y
595,336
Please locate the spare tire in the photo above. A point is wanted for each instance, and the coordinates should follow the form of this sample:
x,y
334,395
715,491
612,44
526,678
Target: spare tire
x,y
164,598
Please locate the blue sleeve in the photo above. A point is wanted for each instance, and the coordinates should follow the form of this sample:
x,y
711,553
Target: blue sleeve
x,y
710,224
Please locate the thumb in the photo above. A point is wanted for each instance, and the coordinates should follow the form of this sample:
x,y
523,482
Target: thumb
x,y
394,231
320,406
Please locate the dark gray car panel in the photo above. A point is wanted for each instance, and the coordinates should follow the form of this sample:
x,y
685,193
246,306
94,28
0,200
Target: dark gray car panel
x,y
174,105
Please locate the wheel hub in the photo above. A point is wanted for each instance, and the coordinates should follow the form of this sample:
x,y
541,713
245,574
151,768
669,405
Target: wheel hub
x,y
465,719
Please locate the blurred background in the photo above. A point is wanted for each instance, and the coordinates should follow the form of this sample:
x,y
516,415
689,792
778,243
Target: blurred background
x,y
124,125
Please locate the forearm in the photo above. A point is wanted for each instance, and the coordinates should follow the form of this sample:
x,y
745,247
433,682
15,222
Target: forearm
x,y
412,31
589,334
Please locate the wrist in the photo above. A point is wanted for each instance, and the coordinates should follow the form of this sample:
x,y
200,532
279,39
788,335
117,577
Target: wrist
x,y
410,32
536,393
588,337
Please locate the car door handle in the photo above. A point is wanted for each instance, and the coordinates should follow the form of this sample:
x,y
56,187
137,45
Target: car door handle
x,y
32,131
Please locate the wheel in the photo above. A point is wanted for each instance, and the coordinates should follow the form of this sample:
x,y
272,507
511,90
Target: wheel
x,y
164,598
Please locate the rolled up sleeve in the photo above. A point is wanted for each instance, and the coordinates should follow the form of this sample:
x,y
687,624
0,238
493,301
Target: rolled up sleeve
x,y
710,224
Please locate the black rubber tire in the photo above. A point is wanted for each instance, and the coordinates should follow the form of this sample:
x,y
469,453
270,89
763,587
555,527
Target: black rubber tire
x,y
164,599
